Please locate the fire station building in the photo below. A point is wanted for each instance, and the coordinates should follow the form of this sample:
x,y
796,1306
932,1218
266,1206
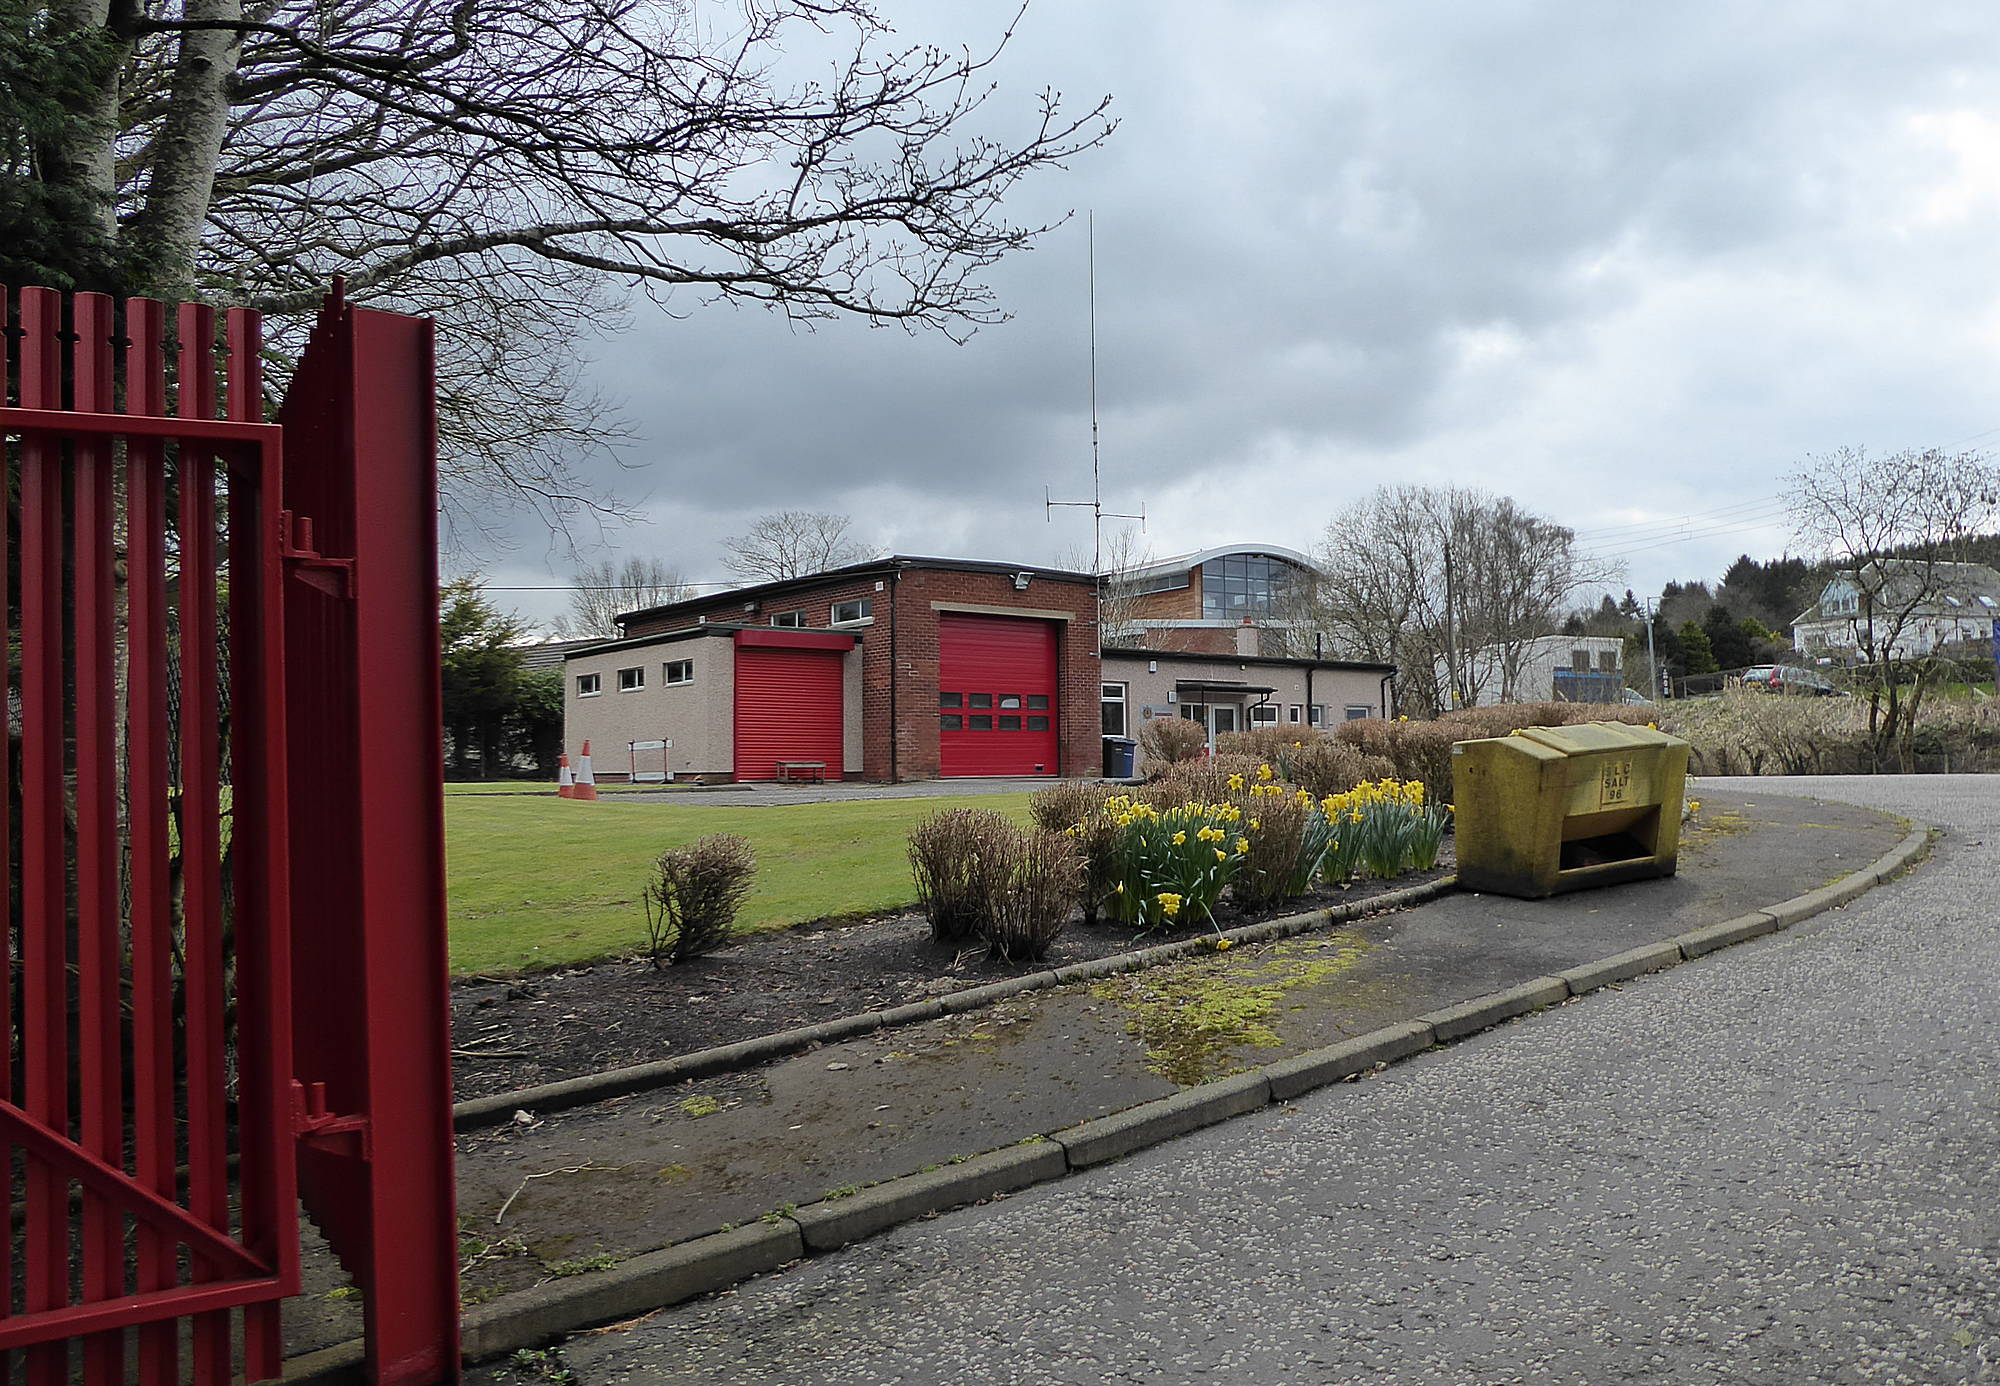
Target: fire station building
x,y
895,669
906,668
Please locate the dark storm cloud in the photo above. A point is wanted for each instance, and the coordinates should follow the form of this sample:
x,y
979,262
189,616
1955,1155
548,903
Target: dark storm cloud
x,y
1343,243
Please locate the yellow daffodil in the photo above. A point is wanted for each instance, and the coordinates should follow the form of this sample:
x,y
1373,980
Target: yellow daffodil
x,y
1236,783
1222,945
1180,839
1221,855
1243,843
1170,903
1265,773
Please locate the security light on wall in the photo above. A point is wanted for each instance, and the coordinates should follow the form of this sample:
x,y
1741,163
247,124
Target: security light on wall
x,y
749,606
1021,581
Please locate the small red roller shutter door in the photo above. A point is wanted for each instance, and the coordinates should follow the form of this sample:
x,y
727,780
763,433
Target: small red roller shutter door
x,y
787,708
997,695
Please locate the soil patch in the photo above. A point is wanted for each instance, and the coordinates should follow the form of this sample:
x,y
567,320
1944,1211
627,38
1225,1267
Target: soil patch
x,y
516,1032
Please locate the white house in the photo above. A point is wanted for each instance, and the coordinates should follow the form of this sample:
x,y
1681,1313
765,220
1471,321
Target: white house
x,y
1910,607
1551,668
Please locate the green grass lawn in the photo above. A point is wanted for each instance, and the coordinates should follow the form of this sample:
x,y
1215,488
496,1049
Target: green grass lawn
x,y
454,788
544,882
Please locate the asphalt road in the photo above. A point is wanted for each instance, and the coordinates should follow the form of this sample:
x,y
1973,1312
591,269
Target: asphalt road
x,y
1780,1164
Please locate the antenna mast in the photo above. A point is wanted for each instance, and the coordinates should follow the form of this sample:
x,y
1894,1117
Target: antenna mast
x,y
1095,505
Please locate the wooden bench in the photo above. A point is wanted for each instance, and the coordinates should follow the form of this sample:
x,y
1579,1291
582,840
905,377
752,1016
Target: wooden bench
x,y
797,771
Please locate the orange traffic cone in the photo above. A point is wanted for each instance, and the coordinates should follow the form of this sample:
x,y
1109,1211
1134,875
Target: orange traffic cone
x,y
565,782
586,779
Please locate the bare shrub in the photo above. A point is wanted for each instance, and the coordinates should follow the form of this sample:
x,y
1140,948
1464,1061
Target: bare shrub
x,y
1418,750
1062,806
1042,874
1268,743
1327,766
692,899
959,859
1200,781
1171,740
1275,825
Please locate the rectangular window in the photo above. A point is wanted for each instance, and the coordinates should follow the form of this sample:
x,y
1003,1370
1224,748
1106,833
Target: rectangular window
x,y
951,721
794,619
1038,724
679,671
951,700
1112,699
1010,700
1579,660
1357,711
860,609
1264,715
589,685
979,724
1295,713
1607,661
1195,712
1316,715
631,680
979,700
1038,701
1010,724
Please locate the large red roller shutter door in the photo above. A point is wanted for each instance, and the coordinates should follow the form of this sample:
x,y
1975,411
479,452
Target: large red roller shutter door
x,y
997,705
787,708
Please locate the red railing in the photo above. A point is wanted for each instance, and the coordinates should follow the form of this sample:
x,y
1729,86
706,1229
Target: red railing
x,y
201,619
148,910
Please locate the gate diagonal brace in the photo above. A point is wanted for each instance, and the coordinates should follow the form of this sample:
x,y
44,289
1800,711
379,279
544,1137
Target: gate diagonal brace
x,y
333,576
324,1131
125,1193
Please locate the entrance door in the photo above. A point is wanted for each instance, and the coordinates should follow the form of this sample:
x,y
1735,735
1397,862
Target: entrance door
x,y
997,702
788,708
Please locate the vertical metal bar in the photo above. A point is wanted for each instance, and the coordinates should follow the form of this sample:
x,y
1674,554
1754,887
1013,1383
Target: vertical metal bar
x,y
99,1067
257,723
6,830
201,868
44,905
148,733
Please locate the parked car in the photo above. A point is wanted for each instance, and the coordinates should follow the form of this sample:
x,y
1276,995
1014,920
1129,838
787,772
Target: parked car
x,y
1787,678
1634,698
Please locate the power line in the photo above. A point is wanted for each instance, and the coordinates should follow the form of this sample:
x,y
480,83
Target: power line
x,y
1679,520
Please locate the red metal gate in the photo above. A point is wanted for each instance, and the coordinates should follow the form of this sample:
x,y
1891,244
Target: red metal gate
x,y
170,615
148,905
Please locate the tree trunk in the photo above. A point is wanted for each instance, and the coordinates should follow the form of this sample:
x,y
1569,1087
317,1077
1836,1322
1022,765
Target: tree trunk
x,y
167,236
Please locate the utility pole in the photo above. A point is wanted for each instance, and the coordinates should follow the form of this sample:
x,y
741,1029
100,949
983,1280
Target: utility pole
x,y
1095,505
1450,650
1652,660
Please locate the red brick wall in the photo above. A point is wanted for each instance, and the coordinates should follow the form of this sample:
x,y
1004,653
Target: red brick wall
x,y
1080,749
915,696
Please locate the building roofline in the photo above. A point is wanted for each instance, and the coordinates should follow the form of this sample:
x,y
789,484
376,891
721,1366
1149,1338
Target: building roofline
x,y
886,563
1291,661
1180,562
668,637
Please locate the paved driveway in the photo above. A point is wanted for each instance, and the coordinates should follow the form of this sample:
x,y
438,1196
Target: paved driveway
x,y
1778,1165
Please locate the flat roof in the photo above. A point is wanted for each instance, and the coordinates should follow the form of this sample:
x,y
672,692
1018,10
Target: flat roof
x,y
1288,661
885,563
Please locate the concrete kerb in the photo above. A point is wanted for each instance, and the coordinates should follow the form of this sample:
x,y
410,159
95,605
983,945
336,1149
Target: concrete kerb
x,y
706,1264
480,1112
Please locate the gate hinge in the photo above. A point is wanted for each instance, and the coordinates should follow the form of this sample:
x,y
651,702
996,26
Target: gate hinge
x,y
314,1125
333,576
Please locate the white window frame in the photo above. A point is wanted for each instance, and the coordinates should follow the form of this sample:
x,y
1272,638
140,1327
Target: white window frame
x,y
633,685
1264,714
790,620
864,610
667,668
590,685
1357,711
1123,701
1295,713
1316,715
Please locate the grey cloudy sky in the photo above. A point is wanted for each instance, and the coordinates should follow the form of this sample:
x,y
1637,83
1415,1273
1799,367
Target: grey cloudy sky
x,y
1628,264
